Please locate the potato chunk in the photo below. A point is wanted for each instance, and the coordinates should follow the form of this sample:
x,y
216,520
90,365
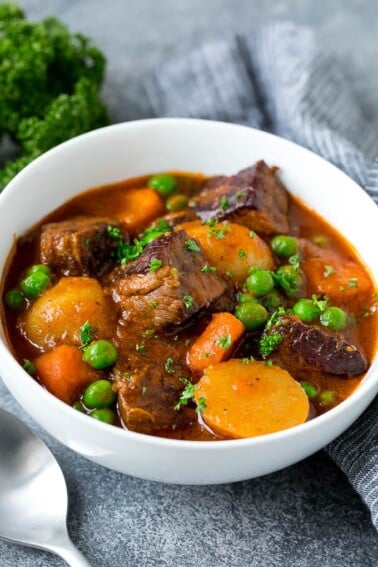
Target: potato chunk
x,y
231,247
56,316
247,400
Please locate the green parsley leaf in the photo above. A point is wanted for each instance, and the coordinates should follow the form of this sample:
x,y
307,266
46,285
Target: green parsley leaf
x,y
268,362
153,304
242,253
252,234
155,264
295,261
210,222
328,270
321,304
192,246
201,405
224,203
224,342
353,282
186,395
29,367
188,301
148,333
208,269
141,348
268,343
86,334
168,365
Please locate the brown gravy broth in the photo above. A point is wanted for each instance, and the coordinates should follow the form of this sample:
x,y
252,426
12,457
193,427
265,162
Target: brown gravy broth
x,y
304,223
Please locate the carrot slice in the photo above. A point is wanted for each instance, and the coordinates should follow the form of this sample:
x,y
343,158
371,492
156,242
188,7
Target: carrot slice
x,y
216,342
340,278
63,372
247,400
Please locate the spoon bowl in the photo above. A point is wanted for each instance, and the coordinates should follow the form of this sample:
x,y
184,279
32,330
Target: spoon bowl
x,y
33,493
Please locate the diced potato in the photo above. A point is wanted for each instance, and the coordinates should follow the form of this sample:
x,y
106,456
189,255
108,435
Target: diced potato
x,y
231,248
246,400
57,315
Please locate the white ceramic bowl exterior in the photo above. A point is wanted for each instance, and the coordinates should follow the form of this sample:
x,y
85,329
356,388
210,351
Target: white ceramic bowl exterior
x,y
136,148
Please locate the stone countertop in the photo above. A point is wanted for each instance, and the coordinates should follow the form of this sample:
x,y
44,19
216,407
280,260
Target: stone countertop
x,y
306,515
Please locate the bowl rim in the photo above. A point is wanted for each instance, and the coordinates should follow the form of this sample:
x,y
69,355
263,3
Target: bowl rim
x,y
363,389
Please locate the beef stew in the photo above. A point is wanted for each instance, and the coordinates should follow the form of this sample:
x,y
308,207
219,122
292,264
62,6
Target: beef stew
x,y
191,307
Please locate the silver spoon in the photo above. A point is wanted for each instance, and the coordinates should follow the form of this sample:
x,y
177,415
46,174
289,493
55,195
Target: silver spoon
x,y
33,493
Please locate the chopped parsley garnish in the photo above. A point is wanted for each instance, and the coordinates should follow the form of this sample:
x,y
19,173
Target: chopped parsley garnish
x,y
155,264
208,269
86,334
141,348
188,301
206,354
295,261
149,333
280,312
186,395
353,282
241,195
187,342
153,304
328,270
201,405
321,304
242,254
168,365
210,222
252,234
125,252
224,203
268,362
218,232
268,343
224,342
144,390
29,367
192,246
342,288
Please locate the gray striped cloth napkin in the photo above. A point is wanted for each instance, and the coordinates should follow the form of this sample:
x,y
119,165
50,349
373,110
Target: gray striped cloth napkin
x,y
278,79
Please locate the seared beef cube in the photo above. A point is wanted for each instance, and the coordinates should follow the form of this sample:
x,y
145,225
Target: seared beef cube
x,y
147,395
187,215
80,246
304,347
254,197
165,287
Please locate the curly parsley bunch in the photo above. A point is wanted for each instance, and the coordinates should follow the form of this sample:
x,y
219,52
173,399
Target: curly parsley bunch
x,y
50,81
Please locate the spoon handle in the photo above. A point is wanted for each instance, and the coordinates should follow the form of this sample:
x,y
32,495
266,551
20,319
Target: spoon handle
x,y
69,552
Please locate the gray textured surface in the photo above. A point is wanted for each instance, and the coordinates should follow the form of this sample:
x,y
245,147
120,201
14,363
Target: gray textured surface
x,y
306,515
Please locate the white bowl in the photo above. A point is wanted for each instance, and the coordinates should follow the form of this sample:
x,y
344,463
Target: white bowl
x,y
135,148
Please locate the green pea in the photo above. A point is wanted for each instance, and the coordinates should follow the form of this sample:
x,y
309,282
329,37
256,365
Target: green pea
x,y
176,203
334,318
39,268
14,299
100,354
252,315
260,282
310,390
289,278
272,300
99,395
306,310
34,284
162,183
105,415
327,397
243,297
284,245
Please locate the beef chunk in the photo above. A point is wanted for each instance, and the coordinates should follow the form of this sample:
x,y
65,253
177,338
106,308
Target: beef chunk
x,y
254,197
147,395
304,347
79,246
173,293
